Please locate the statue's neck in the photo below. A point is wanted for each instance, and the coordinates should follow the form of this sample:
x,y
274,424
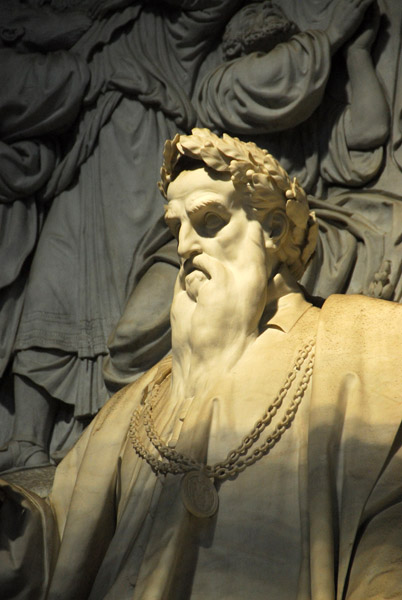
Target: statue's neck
x,y
278,290
192,376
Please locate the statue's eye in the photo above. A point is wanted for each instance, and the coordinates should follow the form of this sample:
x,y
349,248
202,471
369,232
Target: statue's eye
x,y
174,226
213,222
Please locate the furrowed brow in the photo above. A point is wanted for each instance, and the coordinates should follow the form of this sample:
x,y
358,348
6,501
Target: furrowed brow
x,y
200,205
169,215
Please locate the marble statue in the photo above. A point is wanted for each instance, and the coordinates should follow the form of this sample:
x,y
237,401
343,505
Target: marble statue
x,y
262,458
315,82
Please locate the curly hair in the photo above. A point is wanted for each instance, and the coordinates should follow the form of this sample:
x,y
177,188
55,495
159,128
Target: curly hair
x,y
258,26
259,177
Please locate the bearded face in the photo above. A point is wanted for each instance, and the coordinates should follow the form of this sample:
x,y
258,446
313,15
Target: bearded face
x,y
226,262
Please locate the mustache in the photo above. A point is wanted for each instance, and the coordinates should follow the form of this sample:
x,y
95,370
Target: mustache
x,y
193,264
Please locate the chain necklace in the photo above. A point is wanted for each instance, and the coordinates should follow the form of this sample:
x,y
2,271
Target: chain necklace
x,y
198,491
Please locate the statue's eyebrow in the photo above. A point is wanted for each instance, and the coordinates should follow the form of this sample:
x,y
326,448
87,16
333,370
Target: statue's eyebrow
x,y
168,215
198,205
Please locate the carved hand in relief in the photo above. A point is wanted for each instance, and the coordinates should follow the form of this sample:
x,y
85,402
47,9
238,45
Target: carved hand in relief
x,y
367,32
346,18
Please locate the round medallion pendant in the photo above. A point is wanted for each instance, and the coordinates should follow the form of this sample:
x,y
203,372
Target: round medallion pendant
x,y
199,494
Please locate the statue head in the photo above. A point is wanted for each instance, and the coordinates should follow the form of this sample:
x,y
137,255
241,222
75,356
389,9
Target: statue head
x,y
266,192
257,27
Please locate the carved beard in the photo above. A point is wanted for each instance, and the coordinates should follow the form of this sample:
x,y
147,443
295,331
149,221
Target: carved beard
x,y
192,278
215,313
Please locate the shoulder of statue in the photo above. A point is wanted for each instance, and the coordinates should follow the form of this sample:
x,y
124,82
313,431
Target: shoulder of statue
x,y
354,304
350,323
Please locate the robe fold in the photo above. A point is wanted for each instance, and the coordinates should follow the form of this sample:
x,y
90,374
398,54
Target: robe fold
x,y
142,65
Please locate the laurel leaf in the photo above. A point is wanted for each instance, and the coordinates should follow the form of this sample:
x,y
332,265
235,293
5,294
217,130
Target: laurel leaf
x,y
213,158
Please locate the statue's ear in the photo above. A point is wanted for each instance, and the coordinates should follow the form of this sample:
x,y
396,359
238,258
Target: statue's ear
x,y
9,35
275,226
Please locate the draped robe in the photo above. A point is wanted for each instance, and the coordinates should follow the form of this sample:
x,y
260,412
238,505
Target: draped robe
x,y
41,96
318,517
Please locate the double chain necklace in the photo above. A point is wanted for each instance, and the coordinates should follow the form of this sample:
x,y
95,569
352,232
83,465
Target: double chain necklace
x,y
198,491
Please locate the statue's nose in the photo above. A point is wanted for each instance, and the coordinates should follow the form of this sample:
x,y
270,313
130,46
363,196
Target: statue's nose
x,y
189,241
